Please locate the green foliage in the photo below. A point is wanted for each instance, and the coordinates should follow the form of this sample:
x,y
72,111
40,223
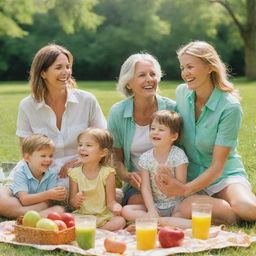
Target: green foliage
x,y
106,32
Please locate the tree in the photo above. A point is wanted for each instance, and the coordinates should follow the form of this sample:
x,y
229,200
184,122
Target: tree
x,y
243,14
72,15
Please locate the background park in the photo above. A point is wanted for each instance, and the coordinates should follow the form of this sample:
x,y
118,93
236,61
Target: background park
x,y
101,34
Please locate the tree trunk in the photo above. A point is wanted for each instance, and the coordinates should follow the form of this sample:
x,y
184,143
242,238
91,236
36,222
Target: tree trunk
x,y
250,56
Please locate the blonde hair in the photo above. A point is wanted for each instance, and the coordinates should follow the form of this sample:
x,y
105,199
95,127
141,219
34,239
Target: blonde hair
x,y
36,142
128,69
170,119
105,140
207,53
43,59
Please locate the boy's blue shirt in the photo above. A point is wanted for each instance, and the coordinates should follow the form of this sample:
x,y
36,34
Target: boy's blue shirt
x,y
23,180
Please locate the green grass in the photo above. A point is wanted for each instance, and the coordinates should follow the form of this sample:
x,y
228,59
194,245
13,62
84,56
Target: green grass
x,y
12,92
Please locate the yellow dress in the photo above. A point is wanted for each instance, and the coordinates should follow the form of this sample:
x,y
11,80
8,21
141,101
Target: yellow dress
x,y
95,195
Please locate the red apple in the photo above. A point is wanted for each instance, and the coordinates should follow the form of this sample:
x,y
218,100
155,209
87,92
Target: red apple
x,y
71,223
114,246
170,237
61,224
66,217
54,216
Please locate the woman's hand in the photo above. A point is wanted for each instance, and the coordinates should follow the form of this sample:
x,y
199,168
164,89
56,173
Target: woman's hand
x,y
134,179
69,164
167,184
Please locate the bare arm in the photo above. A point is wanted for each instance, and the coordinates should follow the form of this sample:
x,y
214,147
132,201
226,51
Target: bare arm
x,y
132,178
181,173
57,193
112,204
172,187
147,194
76,198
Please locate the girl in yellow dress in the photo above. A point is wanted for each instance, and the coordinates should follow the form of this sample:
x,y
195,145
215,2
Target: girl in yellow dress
x,y
92,185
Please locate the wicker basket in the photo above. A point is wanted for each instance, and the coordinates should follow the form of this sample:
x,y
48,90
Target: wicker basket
x,y
31,235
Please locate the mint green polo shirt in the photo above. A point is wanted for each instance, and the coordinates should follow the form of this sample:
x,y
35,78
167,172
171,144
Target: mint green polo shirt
x,y
122,125
218,124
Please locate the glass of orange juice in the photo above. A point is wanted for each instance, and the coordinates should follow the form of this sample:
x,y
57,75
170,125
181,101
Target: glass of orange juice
x,y
201,220
146,233
85,231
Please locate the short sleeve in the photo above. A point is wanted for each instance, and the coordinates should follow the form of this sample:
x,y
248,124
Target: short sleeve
x,y
229,126
97,118
179,157
114,128
73,174
52,179
105,173
23,123
20,182
143,161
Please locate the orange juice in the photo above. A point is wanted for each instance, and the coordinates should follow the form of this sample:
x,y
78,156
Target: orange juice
x,y
201,223
146,238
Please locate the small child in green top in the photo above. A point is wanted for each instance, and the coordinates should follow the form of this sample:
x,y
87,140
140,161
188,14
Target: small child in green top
x,y
92,185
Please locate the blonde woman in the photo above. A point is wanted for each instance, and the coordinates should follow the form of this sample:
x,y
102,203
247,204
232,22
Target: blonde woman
x,y
211,110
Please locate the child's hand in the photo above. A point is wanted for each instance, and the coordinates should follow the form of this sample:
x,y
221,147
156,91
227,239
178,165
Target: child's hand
x,y
152,214
57,193
79,198
116,208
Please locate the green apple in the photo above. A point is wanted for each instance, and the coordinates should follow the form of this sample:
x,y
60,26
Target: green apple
x,y
31,218
48,224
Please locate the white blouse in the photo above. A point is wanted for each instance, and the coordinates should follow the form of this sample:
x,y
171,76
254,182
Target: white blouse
x,y
82,111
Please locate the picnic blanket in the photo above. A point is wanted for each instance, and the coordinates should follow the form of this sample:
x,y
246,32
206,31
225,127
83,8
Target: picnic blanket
x,y
219,238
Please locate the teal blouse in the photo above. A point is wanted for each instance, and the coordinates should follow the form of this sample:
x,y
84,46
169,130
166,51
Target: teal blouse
x,y
122,125
218,124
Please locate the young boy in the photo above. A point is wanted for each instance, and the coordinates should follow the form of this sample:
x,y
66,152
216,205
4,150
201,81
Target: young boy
x,y
34,183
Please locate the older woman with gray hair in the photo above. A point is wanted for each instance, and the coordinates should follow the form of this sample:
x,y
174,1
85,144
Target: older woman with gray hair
x,y
129,119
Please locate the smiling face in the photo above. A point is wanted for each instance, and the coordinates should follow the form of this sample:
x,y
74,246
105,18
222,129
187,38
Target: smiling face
x,y
144,81
39,161
195,72
89,149
161,135
58,74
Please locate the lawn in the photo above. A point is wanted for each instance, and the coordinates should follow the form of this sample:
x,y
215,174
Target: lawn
x,y
12,92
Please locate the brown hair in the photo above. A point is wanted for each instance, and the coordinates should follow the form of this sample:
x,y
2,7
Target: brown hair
x,y
104,139
36,142
43,59
170,119
207,53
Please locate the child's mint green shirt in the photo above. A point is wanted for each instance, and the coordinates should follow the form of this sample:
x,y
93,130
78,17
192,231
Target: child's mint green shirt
x,y
122,125
218,124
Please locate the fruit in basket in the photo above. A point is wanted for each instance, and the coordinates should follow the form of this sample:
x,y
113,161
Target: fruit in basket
x,y
48,224
71,223
170,237
61,224
54,216
31,218
114,246
67,217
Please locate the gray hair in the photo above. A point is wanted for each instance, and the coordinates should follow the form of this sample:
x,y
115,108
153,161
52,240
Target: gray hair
x,y
128,68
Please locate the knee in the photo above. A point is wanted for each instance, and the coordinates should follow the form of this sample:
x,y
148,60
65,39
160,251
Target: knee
x,y
245,210
126,212
57,208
